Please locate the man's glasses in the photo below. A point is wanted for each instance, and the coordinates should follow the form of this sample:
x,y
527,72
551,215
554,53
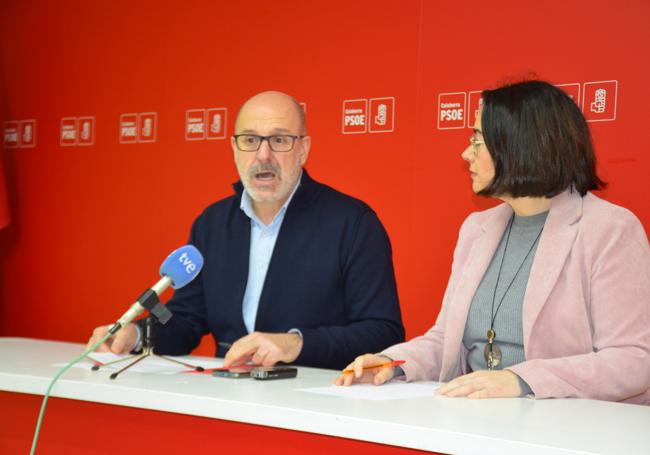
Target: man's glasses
x,y
277,142
475,145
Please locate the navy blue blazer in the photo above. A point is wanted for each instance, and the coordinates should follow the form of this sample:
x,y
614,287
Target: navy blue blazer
x,y
330,276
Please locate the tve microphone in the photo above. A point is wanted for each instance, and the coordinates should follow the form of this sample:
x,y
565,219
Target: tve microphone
x,y
180,267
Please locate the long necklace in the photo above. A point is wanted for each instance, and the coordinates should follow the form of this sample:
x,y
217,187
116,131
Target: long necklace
x,y
491,352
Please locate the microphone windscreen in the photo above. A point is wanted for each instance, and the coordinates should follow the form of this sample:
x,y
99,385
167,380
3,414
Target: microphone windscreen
x,y
182,265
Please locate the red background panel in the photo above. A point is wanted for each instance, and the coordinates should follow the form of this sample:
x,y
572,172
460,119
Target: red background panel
x,y
91,224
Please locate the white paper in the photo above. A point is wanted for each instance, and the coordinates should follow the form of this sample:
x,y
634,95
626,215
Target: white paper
x,y
395,390
151,364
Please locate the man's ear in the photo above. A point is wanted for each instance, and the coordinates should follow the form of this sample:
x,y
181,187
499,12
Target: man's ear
x,y
306,146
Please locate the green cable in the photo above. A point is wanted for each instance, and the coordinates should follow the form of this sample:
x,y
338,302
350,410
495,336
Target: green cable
x,y
49,389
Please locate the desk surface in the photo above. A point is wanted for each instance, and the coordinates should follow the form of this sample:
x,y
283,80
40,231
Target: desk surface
x,y
448,425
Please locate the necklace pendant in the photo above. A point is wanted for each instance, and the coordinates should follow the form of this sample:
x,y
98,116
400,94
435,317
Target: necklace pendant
x,y
491,334
492,355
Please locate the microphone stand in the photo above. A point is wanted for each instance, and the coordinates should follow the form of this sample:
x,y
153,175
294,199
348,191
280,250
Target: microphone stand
x,y
147,350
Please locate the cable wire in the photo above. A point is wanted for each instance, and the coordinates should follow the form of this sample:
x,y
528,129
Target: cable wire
x,y
49,389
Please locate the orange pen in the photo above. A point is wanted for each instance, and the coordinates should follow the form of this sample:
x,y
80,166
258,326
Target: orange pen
x,y
394,363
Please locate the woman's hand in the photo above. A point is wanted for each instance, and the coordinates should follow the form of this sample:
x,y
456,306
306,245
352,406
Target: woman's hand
x,y
483,384
375,376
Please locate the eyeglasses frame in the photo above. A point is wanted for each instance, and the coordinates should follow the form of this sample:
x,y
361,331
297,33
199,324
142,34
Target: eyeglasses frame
x,y
267,139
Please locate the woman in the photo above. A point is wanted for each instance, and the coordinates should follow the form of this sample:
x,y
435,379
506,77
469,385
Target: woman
x,y
549,293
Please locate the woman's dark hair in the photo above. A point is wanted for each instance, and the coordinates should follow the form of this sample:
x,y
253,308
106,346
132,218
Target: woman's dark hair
x,y
539,142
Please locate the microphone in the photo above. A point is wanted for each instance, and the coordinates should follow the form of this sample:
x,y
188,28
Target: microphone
x,y
180,267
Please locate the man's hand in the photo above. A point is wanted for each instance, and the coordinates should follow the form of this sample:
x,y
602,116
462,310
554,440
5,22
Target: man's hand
x,y
483,384
374,376
122,342
265,349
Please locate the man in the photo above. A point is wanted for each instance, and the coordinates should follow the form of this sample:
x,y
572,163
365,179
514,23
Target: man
x,y
294,271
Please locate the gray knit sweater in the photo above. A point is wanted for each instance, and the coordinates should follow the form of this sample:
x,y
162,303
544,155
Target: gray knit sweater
x,y
508,320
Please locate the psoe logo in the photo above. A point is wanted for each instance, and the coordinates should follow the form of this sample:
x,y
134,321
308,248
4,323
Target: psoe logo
x,y
451,110
11,134
202,124
195,124
382,115
19,133
138,127
77,131
148,124
86,127
355,113
216,120
599,100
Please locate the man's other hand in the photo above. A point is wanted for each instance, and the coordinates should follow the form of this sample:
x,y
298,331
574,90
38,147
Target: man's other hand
x,y
265,349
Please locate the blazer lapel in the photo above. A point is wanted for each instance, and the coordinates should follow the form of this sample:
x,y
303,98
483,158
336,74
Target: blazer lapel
x,y
554,247
474,267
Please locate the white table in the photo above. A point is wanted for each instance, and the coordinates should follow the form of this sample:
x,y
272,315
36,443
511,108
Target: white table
x,y
438,424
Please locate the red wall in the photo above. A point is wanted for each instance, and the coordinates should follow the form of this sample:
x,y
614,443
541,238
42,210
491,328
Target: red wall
x,y
91,224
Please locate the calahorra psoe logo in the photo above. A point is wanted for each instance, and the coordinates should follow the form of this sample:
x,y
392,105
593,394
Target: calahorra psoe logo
x,y
139,127
19,133
206,124
77,131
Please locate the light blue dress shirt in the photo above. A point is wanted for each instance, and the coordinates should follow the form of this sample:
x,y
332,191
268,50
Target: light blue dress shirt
x,y
263,239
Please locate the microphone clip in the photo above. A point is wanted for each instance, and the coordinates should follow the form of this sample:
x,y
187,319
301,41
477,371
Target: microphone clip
x,y
149,300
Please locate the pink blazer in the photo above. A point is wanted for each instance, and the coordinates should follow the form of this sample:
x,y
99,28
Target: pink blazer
x,y
586,311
